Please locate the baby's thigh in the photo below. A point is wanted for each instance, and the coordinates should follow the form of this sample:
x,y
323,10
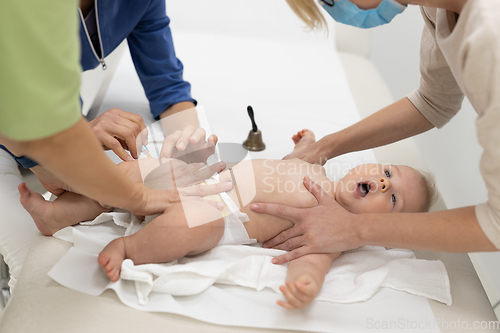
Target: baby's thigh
x,y
202,224
169,237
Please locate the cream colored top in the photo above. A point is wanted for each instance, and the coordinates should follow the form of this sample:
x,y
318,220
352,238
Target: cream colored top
x,y
466,59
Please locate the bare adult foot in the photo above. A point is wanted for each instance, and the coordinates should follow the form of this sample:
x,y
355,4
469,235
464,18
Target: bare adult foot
x,y
40,210
303,139
111,258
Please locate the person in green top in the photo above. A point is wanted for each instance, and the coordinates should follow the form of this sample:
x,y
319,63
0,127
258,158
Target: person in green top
x,y
40,109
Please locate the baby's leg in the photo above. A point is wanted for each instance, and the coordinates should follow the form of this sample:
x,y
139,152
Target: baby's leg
x,y
303,139
168,237
68,209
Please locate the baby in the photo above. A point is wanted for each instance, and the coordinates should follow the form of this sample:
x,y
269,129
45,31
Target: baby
x,y
193,227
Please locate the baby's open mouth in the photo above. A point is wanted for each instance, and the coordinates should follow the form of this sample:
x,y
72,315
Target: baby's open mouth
x,y
363,189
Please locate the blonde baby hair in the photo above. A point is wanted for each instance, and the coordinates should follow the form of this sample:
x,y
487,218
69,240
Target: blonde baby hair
x,y
430,187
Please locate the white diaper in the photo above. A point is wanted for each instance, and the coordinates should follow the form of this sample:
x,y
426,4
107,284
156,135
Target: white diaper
x,y
234,231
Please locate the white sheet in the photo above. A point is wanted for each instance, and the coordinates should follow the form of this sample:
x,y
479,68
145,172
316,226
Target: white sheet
x,y
354,277
348,281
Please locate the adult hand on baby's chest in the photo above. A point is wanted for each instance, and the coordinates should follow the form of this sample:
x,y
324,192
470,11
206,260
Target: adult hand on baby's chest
x,y
325,228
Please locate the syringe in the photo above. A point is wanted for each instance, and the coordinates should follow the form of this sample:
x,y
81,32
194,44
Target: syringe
x,y
145,151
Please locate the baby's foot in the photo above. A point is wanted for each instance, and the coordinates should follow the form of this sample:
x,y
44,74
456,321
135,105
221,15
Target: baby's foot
x,y
111,258
303,138
40,210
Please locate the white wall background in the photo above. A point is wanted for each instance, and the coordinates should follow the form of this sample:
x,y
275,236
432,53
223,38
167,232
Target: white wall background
x,y
452,152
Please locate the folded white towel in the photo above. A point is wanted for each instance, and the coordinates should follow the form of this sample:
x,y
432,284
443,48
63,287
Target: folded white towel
x,y
355,276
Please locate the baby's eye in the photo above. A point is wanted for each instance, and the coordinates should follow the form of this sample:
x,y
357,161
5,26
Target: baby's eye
x,y
393,200
388,174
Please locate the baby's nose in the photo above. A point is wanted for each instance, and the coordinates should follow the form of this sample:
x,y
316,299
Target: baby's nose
x,y
384,184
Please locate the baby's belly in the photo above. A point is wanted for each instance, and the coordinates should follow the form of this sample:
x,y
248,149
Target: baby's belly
x,y
272,182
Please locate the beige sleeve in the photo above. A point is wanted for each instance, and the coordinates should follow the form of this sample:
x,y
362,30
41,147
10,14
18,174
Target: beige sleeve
x,y
438,97
481,72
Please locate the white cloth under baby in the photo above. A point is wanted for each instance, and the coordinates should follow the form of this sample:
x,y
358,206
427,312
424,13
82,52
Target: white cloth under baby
x,y
355,276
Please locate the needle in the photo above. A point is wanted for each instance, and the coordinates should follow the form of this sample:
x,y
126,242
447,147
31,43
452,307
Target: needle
x,y
145,151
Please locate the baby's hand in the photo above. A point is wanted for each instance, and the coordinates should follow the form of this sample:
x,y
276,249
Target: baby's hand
x,y
300,293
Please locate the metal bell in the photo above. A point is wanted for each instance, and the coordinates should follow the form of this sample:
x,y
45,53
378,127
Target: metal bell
x,y
254,141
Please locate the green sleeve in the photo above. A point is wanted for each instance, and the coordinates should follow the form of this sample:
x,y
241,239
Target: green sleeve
x,y
39,68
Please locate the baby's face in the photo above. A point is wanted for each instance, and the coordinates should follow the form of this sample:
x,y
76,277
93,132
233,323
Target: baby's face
x,y
381,188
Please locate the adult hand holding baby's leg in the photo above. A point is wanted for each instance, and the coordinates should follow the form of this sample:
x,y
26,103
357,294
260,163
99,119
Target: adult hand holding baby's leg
x,y
150,202
193,175
181,178
315,152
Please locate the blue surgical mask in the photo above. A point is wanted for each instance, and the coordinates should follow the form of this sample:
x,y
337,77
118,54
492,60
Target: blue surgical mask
x,y
344,11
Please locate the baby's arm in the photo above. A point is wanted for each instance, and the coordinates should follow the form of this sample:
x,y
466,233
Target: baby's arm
x,y
305,278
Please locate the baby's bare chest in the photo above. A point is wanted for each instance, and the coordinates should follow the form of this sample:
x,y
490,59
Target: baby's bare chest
x,y
275,181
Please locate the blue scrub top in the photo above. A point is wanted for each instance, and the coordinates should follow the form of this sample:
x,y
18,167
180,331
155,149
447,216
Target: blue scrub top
x,y
145,25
